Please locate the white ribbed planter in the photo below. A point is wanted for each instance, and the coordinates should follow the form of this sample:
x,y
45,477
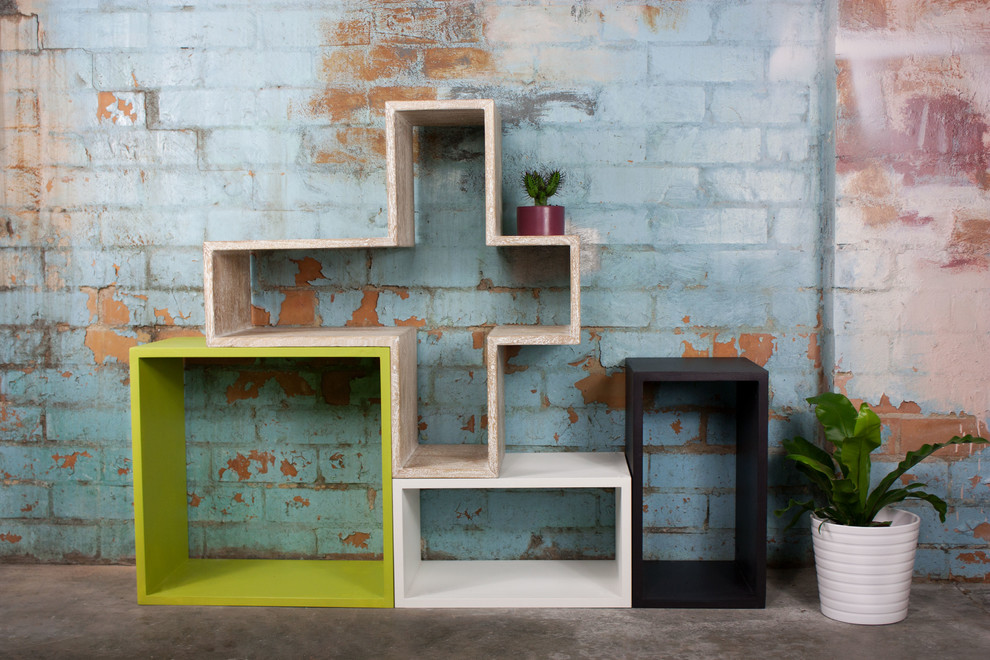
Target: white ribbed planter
x,y
864,573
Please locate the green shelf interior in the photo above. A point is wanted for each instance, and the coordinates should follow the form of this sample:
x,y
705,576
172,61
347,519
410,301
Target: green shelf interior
x,y
165,572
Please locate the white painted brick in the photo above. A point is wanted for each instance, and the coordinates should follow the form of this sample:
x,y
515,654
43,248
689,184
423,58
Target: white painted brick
x,y
643,185
145,148
789,144
173,268
249,148
254,69
82,111
19,110
148,70
190,187
94,31
18,32
707,63
692,144
868,351
277,107
765,185
239,224
630,104
50,72
291,29
796,225
776,22
597,64
591,144
862,269
97,268
779,104
537,25
206,108
708,226
202,29
796,64
868,311
295,190
663,21
124,228
20,268
94,187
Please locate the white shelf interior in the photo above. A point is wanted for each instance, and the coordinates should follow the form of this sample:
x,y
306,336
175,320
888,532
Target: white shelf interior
x,y
518,583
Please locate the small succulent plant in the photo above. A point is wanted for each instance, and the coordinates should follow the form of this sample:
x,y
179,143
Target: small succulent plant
x,y
542,184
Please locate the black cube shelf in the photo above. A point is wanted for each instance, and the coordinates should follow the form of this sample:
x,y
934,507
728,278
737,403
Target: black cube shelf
x,y
741,582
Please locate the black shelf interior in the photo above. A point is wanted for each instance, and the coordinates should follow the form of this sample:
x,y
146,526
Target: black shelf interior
x,y
696,584
737,583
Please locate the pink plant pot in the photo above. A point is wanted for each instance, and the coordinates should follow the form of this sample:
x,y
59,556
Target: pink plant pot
x,y
540,220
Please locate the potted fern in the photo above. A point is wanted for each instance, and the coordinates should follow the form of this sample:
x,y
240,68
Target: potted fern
x,y
864,549
541,219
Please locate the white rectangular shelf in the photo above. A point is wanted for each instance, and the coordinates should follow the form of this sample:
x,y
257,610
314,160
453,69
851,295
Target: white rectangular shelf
x,y
517,583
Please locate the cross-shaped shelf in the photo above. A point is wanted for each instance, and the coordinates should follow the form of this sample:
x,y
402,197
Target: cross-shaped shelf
x,y
227,289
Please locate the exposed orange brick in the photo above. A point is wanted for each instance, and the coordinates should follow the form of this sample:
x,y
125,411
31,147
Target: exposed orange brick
x,y
354,145
167,332
164,315
337,103
982,531
299,499
309,269
369,65
930,430
412,321
970,237
365,316
249,383
863,14
336,387
105,344
598,387
757,347
409,25
288,469
664,16
113,311
692,352
260,316
815,350
348,32
467,62
68,461
104,100
10,537
725,348
357,539
978,557
469,426
379,95
478,339
241,464
510,353
885,407
298,308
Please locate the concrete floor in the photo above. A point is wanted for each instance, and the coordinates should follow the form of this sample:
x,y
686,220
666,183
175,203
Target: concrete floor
x,y
90,612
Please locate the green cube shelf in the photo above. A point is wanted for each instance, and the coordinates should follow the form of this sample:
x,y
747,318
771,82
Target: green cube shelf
x,y
166,575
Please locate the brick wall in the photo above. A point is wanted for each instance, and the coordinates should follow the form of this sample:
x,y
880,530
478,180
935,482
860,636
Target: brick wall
x,y
912,233
696,137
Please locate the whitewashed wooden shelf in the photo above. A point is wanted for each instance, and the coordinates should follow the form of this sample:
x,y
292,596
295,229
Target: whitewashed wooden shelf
x,y
517,583
227,287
